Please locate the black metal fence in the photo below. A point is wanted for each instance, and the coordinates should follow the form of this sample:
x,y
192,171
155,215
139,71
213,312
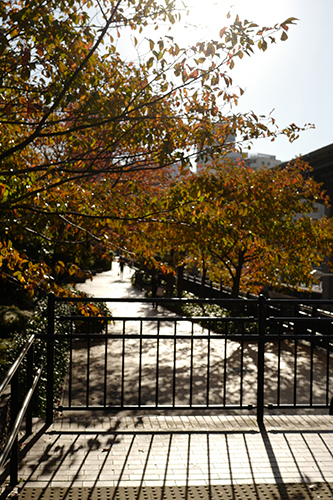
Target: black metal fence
x,y
193,284
259,354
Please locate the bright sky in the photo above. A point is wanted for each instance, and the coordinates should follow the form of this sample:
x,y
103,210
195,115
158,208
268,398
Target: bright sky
x,y
294,77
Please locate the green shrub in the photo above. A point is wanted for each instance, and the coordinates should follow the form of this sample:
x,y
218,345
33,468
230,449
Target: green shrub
x,y
37,324
211,310
92,314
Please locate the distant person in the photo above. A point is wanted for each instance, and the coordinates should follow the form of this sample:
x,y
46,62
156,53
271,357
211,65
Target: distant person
x,y
155,283
121,267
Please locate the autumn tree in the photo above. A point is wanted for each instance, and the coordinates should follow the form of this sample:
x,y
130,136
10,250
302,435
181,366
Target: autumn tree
x,y
77,120
249,228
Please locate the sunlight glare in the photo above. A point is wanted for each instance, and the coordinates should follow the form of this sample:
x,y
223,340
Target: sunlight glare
x,y
210,16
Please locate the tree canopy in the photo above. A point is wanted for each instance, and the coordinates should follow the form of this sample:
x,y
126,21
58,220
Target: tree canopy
x,y
247,228
81,127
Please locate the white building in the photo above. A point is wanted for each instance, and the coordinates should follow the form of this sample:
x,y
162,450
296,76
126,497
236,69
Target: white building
x,y
260,160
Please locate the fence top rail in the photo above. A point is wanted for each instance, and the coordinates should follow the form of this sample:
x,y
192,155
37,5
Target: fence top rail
x,y
239,337
206,300
156,299
299,301
12,370
194,319
170,319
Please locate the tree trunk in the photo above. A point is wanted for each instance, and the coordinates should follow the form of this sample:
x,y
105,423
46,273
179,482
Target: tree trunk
x,y
237,276
203,277
180,280
236,285
170,281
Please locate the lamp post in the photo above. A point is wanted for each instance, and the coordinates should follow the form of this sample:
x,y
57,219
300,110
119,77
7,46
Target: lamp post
x,y
317,274
327,282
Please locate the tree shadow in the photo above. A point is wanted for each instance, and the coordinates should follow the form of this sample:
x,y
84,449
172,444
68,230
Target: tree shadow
x,y
161,453
137,371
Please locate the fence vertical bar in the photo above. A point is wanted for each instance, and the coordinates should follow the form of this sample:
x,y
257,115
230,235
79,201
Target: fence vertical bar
x,y
191,367
174,364
157,363
225,364
261,358
105,362
50,358
88,364
140,363
70,364
123,365
313,333
295,367
242,368
208,366
327,369
280,327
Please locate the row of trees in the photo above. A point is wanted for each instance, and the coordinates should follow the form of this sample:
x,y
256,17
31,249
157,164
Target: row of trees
x,y
245,228
88,141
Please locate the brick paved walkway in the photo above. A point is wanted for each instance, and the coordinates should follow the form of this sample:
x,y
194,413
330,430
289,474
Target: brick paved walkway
x,y
187,450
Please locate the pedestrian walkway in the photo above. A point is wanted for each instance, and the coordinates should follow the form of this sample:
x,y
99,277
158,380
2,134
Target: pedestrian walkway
x,y
182,451
158,455
114,285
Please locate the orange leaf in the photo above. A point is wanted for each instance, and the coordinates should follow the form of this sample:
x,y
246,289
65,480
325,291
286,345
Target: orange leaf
x,y
222,32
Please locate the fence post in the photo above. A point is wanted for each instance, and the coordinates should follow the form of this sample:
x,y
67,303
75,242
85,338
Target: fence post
x,y
261,358
50,358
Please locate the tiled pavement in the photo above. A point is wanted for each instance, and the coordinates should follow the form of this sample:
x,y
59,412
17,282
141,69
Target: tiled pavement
x,y
187,450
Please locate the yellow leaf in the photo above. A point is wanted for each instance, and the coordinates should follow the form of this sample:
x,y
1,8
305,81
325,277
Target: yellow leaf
x,y
62,67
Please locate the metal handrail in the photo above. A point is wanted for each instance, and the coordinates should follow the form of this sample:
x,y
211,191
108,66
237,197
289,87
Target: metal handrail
x,y
19,413
12,370
19,417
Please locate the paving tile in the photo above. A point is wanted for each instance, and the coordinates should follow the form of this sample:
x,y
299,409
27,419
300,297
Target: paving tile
x,y
279,455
